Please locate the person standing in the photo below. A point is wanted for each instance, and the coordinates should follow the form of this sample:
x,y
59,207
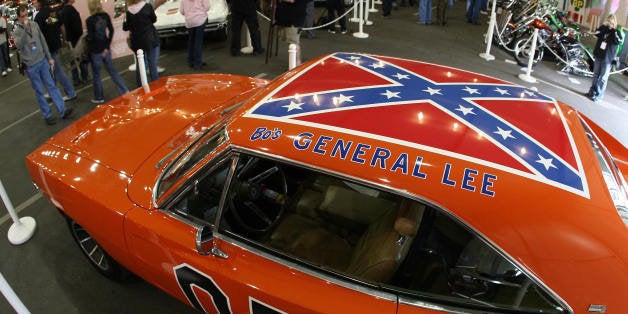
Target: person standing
x,y
608,39
49,23
473,11
290,17
425,12
3,46
98,25
35,54
139,20
7,56
333,7
73,28
195,12
245,11
442,6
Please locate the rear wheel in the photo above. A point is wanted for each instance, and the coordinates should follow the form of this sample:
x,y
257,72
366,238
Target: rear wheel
x,y
523,52
96,255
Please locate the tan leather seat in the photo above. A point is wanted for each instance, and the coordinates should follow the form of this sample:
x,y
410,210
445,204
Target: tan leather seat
x,y
386,242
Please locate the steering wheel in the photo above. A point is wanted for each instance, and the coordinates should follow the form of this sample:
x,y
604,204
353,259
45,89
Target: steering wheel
x,y
257,198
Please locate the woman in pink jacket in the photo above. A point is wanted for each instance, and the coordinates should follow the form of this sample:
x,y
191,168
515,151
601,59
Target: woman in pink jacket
x,y
195,12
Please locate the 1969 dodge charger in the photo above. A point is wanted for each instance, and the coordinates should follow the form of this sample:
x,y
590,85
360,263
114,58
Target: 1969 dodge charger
x,y
354,183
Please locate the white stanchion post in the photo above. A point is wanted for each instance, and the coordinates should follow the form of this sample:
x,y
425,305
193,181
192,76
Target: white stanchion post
x,y
248,49
142,65
366,13
486,55
355,18
527,77
22,229
373,9
292,56
361,33
13,299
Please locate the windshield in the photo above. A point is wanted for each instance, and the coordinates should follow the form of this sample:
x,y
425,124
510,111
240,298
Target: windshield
x,y
203,146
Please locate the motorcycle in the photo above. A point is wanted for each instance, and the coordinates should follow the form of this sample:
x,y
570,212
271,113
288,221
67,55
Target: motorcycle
x,y
563,45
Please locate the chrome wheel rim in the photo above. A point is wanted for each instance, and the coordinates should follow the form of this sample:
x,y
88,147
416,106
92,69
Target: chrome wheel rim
x,y
90,247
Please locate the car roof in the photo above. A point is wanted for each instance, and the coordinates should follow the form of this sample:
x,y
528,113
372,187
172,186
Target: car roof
x,y
514,164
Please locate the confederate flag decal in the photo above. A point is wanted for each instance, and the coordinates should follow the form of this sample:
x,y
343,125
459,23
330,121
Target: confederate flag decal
x,y
387,98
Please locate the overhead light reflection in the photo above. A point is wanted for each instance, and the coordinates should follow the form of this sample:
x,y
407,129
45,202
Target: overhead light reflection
x,y
448,73
316,101
420,117
523,151
455,126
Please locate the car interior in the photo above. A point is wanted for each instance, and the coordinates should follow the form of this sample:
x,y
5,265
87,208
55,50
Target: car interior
x,y
351,230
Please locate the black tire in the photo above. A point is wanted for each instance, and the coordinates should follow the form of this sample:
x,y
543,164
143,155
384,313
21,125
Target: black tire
x,y
96,255
522,52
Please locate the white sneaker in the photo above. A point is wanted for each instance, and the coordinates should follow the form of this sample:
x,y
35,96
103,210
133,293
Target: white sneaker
x,y
9,70
4,73
97,101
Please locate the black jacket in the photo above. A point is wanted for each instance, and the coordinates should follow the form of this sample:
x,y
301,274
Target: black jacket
x,y
97,37
290,14
610,40
49,22
72,22
143,33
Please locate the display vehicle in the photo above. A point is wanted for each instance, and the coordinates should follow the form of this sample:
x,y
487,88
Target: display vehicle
x,y
170,22
354,183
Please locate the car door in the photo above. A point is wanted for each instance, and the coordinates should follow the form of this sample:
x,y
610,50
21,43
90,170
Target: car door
x,y
197,249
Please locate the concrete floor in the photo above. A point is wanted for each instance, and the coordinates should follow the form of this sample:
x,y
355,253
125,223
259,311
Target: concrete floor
x,y
49,273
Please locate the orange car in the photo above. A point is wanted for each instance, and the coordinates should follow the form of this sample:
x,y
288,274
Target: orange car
x,y
353,184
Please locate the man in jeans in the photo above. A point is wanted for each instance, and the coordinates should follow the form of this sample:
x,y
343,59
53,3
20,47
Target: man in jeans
x,y
195,12
50,25
35,54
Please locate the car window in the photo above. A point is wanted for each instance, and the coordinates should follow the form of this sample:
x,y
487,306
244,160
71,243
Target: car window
x,y
200,199
612,178
371,236
204,145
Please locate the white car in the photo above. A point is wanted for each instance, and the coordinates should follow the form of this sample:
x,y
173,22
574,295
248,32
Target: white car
x,y
170,22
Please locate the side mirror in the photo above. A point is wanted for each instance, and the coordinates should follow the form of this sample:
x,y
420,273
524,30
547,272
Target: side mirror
x,y
204,240
205,243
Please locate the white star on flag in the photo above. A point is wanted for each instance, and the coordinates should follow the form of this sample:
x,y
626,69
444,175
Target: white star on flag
x,y
470,90
342,98
529,93
465,110
293,105
390,94
504,133
432,91
400,76
502,91
377,65
547,162
354,58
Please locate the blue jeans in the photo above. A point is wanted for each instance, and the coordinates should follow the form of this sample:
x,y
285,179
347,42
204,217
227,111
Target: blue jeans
x,y
195,45
97,60
425,11
60,76
40,76
150,60
3,59
601,71
473,10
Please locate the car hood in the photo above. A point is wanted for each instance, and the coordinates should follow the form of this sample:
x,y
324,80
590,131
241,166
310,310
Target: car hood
x,y
168,14
122,133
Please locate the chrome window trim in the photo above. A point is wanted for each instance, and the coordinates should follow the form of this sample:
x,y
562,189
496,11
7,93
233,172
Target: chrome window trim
x,y
217,126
